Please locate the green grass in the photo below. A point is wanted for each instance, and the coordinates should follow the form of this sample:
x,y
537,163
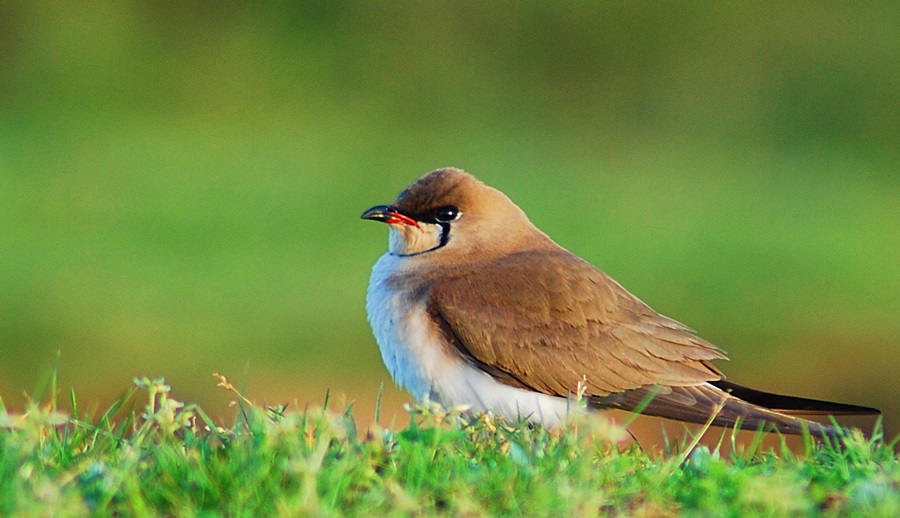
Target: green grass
x,y
165,458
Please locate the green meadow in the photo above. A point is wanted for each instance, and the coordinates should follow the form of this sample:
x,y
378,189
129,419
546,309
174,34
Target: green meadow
x,y
149,454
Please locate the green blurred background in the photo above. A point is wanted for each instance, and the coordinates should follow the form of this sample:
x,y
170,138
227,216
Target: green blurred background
x,y
181,182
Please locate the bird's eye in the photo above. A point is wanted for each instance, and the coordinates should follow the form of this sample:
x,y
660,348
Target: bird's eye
x,y
446,214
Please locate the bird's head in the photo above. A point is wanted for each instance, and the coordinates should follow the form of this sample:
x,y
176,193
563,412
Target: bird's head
x,y
450,212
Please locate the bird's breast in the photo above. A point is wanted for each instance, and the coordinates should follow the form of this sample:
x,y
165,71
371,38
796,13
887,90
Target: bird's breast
x,y
415,354
409,342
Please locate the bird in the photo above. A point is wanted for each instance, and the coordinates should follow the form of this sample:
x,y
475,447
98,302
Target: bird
x,y
473,305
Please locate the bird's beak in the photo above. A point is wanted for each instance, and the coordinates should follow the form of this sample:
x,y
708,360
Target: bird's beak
x,y
389,215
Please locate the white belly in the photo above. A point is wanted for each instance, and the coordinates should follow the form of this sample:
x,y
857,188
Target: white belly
x,y
411,352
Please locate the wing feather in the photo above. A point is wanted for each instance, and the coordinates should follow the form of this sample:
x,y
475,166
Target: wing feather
x,y
567,320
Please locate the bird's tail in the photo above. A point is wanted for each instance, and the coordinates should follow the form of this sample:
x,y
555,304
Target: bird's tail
x,y
733,405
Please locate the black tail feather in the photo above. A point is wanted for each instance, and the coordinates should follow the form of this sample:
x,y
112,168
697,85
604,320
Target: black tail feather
x,y
790,404
732,405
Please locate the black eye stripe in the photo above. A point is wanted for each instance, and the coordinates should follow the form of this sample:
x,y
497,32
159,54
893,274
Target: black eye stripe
x,y
445,234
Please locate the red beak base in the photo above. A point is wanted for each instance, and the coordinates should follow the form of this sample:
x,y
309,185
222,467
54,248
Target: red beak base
x,y
389,215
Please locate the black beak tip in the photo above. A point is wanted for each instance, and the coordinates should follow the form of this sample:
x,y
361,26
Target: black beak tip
x,y
377,213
